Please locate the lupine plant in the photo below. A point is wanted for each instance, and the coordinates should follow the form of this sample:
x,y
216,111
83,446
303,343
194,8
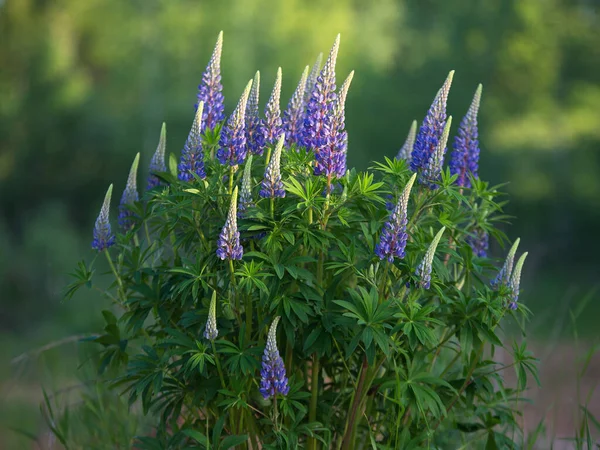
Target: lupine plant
x,y
303,313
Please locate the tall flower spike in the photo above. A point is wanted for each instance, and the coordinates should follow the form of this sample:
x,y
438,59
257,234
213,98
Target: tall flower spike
x,y
210,90
232,144
228,246
392,243
211,331
246,192
431,129
430,176
129,197
312,78
515,281
479,242
293,116
406,150
424,269
192,155
272,125
157,163
273,378
319,110
103,236
465,157
503,277
272,186
254,136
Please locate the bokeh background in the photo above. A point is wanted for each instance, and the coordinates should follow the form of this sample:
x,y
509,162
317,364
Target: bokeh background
x,y
84,85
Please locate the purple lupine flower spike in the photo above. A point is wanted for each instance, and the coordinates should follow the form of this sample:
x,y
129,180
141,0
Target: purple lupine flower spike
x,y
103,236
392,243
246,201
479,242
272,186
424,269
228,246
431,129
129,197
210,91
503,277
157,163
293,116
465,157
430,176
254,136
319,110
232,144
406,151
192,155
312,78
272,125
515,281
273,378
211,332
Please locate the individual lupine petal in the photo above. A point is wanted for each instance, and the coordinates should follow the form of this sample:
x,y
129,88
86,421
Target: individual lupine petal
x,y
246,192
319,110
293,116
430,176
232,144
503,277
431,129
515,281
406,151
103,236
273,377
424,269
479,242
272,125
192,155
211,331
392,243
129,197
465,157
228,246
254,135
157,163
210,90
312,78
272,186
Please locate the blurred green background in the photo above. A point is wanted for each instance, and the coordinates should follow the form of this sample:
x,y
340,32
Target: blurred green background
x,y
84,85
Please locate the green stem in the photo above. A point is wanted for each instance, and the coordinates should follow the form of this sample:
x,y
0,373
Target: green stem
x,y
356,401
249,318
314,395
218,364
272,208
147,234
230,179
236,301
120,289
383,281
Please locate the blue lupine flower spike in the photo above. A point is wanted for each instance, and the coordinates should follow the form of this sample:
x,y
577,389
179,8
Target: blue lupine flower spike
x,y
272,186
273,378
430,176
129,197
319,110
103,236
406,151
192,155
254,136
228,245
515,281
392,243
465,157
431,129
503,277
246,201
210,90
157,163
211,331
312,78
293,116
424,269
272,125
232,144
479,242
